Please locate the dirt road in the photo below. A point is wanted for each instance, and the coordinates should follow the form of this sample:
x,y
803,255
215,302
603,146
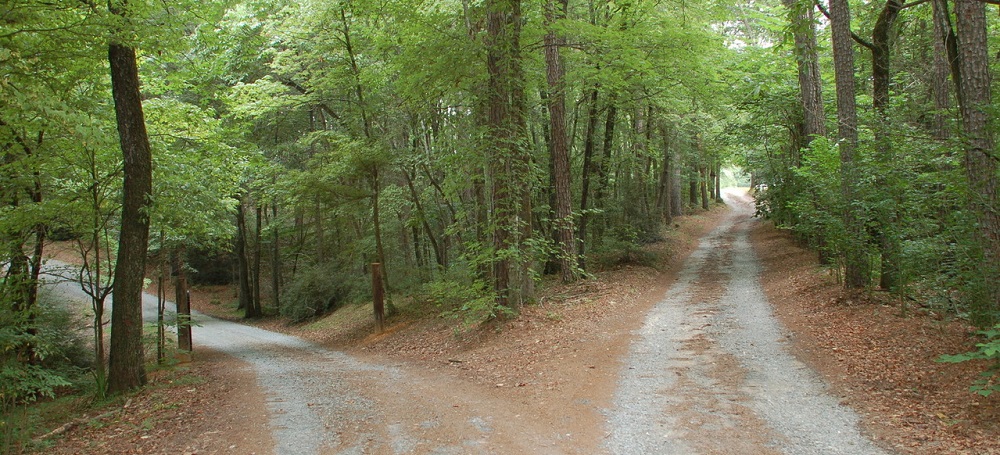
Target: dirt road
x,y
710,372
707,372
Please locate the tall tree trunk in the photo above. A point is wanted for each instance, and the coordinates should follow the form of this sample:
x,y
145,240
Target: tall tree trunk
x,y
604,168
126,369
810,88
855,274
559,149
980,155
665,191
704,187
275,261
181,300
676,177
588,170
718,182
257,253
888,244
508,161
693,188
243,263
438,253
939,86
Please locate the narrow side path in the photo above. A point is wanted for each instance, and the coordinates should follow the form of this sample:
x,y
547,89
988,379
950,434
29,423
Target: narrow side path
x,y
710,371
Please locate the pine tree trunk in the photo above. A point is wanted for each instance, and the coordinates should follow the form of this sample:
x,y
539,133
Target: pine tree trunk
x,y
509,163
243,263
980,154
588,170
855,274
275,261
939,87
559,149
810,87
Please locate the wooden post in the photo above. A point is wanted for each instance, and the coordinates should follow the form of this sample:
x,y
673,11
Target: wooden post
x,y
378,296
184,331
182,298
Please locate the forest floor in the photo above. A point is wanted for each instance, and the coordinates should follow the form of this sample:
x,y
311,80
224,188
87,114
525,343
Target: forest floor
x,y
564,355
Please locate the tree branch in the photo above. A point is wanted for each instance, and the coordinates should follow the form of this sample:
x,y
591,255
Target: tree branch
x,y
295,85
854,36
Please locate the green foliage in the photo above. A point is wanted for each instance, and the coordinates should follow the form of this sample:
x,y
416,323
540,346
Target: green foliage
x,y
319,289
989,351
59,349
460,297
624,246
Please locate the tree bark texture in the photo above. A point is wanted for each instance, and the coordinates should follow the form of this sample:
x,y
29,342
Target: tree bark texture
x,y
126,369
942,68
980,155
588,170
810,86
250,309
888,244
181,300
559,148
509,165
855,267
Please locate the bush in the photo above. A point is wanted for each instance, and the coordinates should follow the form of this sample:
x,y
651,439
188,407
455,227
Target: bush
x,y
318,290
624,247
461,297
988,350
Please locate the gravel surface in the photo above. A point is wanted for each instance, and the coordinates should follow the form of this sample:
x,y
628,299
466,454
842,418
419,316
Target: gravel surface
x,y
709,371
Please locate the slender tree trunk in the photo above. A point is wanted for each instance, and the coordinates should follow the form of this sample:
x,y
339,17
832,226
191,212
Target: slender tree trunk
x,y
257,253
588,170
126,369
275,261
888,244
438,253
718,183
676,177
980,154
665,195
942,102
181,300
693,189
243,263
604,169
704,187
855,274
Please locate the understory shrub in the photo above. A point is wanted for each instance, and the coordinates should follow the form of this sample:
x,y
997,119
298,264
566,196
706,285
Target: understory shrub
x,y
988,350
318,290
458,296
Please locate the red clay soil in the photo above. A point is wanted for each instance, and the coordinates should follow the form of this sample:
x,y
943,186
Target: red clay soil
x,y
566,349
879,355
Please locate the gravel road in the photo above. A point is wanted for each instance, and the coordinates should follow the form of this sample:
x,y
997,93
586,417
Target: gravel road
x,y
710,372
323,401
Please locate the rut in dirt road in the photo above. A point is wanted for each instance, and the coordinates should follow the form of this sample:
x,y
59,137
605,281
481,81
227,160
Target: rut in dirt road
x,y
709,371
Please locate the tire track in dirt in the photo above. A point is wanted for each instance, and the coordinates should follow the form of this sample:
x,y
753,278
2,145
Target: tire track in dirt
x,y
710,372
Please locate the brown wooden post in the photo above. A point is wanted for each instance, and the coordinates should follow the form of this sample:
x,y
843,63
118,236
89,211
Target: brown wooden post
x,y
185,341
378,296
182,298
